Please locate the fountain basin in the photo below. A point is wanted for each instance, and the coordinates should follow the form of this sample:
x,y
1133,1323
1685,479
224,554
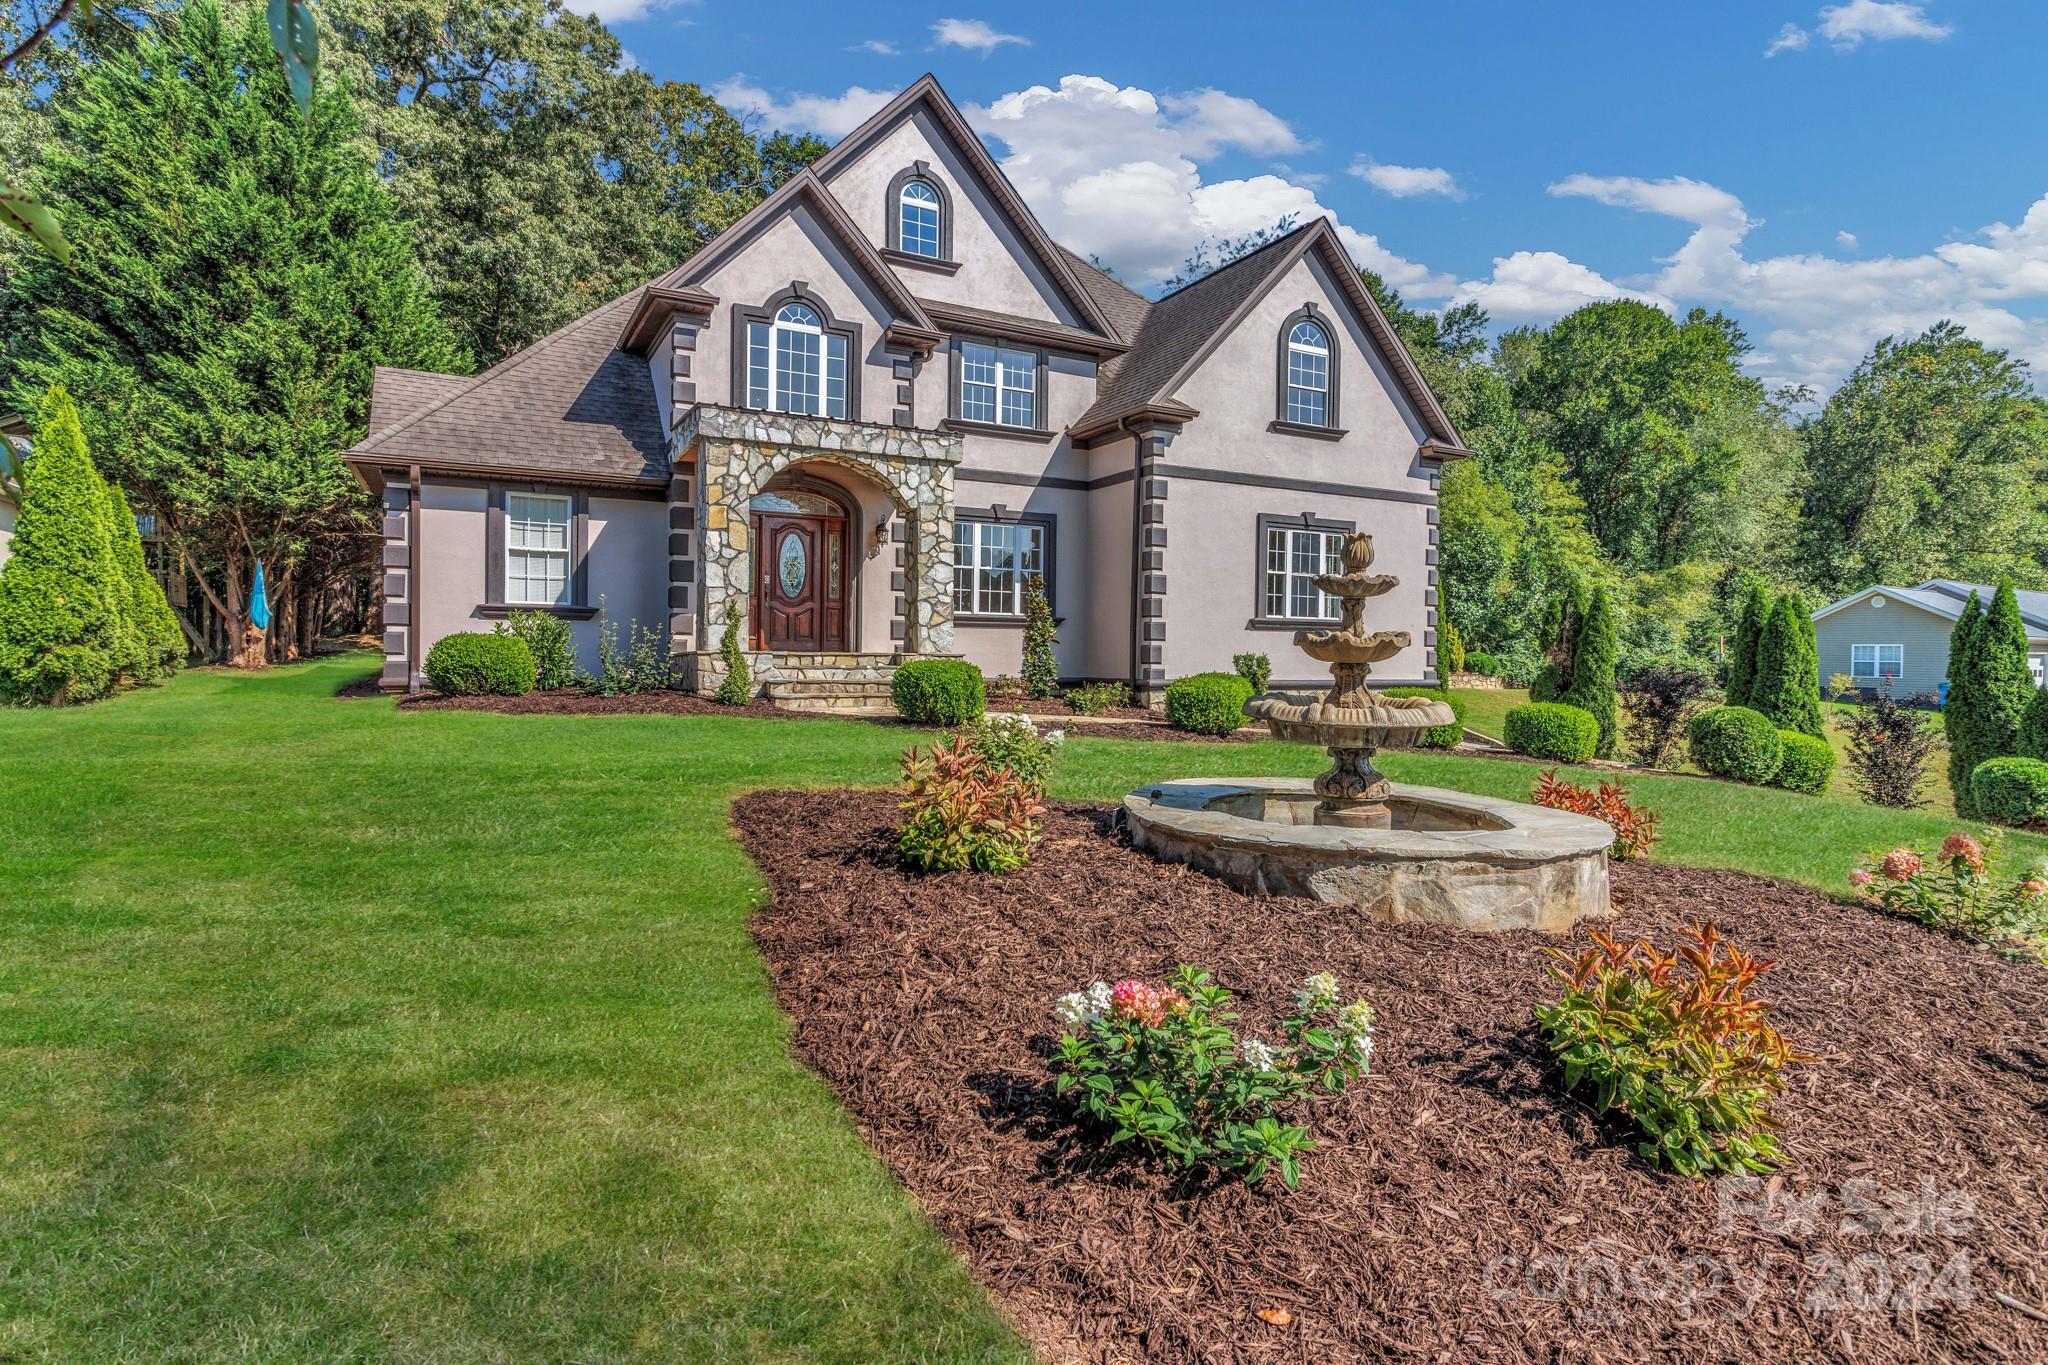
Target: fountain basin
x,y
1449,857
1313,720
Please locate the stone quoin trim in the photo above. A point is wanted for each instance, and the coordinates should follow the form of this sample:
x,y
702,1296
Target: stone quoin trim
x,y
401,602
1148,577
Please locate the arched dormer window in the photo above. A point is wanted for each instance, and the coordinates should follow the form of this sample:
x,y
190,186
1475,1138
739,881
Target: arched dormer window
x,y
796,359
919,214
1308,371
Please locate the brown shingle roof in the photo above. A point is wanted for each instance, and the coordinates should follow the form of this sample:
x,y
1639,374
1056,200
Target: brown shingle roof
x,y
1124,307
570,404
397,394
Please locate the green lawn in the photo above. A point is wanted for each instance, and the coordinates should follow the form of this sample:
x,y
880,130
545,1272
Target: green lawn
x,y
331,1033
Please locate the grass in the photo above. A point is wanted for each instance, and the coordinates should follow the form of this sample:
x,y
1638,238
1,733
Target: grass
x,y
331,1033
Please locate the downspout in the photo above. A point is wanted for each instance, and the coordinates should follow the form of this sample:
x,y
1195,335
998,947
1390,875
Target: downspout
x,y
413,595
1137,630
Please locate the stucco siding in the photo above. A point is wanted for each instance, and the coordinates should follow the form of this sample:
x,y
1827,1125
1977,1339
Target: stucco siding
x,y
999,648
6,529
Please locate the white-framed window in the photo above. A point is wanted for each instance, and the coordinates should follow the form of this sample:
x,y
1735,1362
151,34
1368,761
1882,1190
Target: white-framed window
x,y
1308,374
2037,664
537,549
795,365
1294,556
1874,662
998,384
917,210
991,560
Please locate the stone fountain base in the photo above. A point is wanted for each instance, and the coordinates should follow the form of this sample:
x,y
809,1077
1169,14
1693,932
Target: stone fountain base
x,y
1448,857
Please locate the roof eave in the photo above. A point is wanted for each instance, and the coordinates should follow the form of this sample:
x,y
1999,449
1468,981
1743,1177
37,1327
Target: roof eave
x,y
1168,413
651,315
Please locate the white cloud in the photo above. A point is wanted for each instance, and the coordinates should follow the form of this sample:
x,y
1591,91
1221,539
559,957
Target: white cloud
x,y
1538,286
831,116
974,34
1116,171
1846,240
1848,24
1404,182
620,11
1790,38
880,47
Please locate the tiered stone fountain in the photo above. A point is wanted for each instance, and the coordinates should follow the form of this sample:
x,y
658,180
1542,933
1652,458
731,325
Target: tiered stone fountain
x,y
1351,837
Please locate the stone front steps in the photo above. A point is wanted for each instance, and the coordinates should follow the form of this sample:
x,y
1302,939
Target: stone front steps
x,y
839,697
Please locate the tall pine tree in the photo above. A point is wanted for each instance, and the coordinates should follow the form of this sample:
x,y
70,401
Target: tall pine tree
x,y
1989,687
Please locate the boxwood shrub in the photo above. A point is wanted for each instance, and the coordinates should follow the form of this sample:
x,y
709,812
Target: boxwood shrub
x,y
1735,742
1553,730
1482,663
1807,763
2012,791
1439,736
478,665
1207,703
939,692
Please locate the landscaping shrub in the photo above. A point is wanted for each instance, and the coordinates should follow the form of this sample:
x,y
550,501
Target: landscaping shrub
x,y
1742,653
1164,1067
1518,665
938,691
1485,665
2032,739
1008,742
1786,685
1735,742
964,813
1673,1042
736,688
1662,700
1437,736
1955,890
548,640
1256,669
1590,684
1041,669
1553,730
1989,688
1207,703
2012,791
1805,765
474,664
1450,646
1889,744
160,640
1635,827
642,665
1098,698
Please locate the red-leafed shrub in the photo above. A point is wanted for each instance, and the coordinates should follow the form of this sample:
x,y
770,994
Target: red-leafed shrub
x,y
966,813
1635,827
1674,1042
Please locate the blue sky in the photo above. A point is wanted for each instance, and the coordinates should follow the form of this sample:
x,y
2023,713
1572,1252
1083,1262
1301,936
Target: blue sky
x,y
1826,172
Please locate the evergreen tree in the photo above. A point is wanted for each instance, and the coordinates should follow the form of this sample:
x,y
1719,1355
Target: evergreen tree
x,y
1742,654
1563,618
1786,685
1592,676
2033,736
1989,689
161,642
1961,702
61,594
1041,669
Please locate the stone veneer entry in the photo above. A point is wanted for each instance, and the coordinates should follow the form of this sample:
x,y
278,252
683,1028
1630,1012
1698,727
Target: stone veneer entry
x,y
722,457
1450,858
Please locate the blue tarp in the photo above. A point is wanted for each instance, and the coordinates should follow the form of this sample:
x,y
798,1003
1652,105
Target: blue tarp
x,y
259,602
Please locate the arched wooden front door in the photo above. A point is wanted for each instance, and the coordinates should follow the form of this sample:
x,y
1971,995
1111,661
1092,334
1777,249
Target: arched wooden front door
x,y
799,572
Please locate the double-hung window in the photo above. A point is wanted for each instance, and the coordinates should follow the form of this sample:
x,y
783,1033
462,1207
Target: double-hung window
x,y
1308,374
795,365
1872,662
991,561
998,385
917,225
1294,556
537,549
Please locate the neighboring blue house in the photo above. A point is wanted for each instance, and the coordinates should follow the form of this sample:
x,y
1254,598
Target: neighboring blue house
x,y
1898,637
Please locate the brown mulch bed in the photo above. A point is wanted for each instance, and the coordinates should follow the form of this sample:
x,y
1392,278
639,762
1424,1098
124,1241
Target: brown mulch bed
x,y
1457,1209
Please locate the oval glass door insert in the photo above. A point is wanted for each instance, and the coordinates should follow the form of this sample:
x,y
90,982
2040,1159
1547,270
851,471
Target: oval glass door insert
x,y
790,558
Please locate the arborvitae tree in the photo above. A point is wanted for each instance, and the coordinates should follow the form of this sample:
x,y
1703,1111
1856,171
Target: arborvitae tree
x,y
156,628
61,594
1995,687
1563,618
1786,683
2033,737
1742,653
1041,669
1961,703
1592,680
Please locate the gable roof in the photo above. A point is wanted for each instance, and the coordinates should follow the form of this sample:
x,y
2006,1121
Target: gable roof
x,y
1946,597
1181,330
396,393
571,403
1123,306
925,90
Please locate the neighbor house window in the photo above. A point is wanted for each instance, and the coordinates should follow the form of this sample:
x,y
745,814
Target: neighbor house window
x,y
1294,556
991,560
998,385
918,222
1308,374
795,364
537,549
2037,664
1873,662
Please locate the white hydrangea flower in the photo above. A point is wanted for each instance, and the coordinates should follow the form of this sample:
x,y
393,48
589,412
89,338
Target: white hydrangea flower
x,y
1355,1019
1078,1009
1317,992
1256,1054
1055,738
1013,718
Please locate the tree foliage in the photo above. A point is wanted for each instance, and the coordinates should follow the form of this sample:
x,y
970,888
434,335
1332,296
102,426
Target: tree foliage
x,y
1989,688
1785,684
1591,685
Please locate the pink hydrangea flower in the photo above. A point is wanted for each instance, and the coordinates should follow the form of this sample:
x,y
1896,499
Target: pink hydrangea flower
x,y
1860,877
1900,864
2034,887
1136,1000
1960,845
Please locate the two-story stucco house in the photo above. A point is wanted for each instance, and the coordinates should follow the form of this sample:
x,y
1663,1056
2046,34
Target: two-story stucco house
x,y
867,411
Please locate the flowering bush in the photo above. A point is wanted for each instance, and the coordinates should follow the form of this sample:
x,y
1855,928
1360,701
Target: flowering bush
x,y
1956,890
1162,1065
1673,1041
1097,698
1635,827
966,813
1008,742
